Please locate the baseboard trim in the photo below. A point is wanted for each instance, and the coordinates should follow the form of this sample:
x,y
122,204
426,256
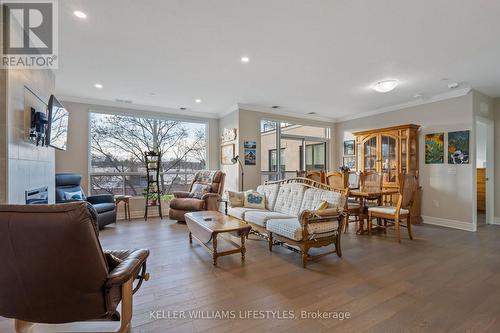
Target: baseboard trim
x,y
496,221
139,214
449,223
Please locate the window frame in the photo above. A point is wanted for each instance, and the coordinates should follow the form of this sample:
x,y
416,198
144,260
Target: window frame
x,y
139,114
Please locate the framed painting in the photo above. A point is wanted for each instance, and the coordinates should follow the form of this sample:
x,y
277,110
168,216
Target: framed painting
x,y
434,148
349,147
250,156
458,147
226,154
350,162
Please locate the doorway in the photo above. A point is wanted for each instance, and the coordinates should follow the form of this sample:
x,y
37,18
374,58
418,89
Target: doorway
x,y
484,171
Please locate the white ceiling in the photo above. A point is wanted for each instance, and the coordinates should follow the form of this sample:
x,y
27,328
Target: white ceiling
x,y
306,56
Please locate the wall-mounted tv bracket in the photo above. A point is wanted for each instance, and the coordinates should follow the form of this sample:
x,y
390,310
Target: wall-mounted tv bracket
x,y
38,127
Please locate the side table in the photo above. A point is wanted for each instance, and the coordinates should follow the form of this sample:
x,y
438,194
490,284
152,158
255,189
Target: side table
x,y
126,204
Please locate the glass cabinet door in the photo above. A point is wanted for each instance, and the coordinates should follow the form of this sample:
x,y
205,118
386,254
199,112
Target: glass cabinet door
x,y
370,154
403,156
389,158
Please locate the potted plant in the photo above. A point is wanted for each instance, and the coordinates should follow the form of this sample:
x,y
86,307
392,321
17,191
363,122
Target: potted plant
x,y
154,196
151,196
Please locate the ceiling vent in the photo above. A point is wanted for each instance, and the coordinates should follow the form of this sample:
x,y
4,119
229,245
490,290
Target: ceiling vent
x,y
127,101
275,106
311,113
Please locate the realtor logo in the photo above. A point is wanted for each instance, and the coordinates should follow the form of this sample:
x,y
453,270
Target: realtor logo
x,y
29,34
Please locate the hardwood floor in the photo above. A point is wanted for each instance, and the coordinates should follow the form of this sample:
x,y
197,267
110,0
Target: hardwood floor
x,y
445,280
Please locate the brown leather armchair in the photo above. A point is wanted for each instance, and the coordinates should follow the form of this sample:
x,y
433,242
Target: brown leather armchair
x,y
183,203
54,270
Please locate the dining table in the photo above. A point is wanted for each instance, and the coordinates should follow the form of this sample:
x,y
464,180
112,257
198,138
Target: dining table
x,y
367,195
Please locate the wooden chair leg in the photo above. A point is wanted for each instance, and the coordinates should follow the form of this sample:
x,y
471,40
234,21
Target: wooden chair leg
x,y
369,224
346,223
408,226
398,232
305,253
270,241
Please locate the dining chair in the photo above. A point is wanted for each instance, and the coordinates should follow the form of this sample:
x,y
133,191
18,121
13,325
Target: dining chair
x,y
354,180
337,180
318,176
395,214
301,173
340,181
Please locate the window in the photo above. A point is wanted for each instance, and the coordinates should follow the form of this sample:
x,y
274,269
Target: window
x,y
315,156
273,164
118,142
290,138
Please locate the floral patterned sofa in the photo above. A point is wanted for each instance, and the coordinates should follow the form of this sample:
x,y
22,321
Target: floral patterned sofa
x,y
291,215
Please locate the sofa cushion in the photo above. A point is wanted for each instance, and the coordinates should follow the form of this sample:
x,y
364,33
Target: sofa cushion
x,y
239,212
261,217
388,210
289,199
314,196
236,199
270,192
254,199
291,228
104,207
190,204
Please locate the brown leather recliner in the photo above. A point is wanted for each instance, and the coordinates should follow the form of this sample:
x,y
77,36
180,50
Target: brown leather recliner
x,y
183,203
54,270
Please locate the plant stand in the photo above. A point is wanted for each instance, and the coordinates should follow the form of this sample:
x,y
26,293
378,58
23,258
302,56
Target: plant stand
x,y
153,163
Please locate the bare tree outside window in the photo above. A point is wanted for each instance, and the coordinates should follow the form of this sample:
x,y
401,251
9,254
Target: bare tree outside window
x,y
118,143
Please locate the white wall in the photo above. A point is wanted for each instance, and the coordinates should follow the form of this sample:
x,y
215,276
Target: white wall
x,y
497,158
233,172
481,131
27,166
447,189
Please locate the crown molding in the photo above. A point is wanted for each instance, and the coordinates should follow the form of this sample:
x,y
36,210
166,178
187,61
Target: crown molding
x,y
139,107
422,101
284,112
229,110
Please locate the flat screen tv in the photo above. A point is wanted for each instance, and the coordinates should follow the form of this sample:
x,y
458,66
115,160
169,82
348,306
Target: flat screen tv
x,y
57,127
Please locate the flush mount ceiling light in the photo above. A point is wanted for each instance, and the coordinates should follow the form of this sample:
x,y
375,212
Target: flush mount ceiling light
x,y
385,86
197,100
98,86
245,60
80,14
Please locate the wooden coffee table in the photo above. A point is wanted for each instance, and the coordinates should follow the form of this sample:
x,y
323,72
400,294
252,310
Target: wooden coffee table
x,y
207,225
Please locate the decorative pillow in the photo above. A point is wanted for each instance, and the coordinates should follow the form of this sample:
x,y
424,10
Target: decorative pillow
x,y
254,199
199,190
77,195
322,205
236,199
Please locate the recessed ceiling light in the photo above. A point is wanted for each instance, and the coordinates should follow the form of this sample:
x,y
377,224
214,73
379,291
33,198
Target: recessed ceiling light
x,y
197,100
80,14
385,86
245,59
453,85
418,95
98,86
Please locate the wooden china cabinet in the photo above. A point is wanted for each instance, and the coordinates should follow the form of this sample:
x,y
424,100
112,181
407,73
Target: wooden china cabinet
x,y
390,151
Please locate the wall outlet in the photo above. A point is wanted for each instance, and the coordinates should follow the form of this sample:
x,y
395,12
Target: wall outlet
x,y
435,203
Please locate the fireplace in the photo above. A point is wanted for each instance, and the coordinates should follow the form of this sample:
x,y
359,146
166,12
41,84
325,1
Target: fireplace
x,y
37,196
